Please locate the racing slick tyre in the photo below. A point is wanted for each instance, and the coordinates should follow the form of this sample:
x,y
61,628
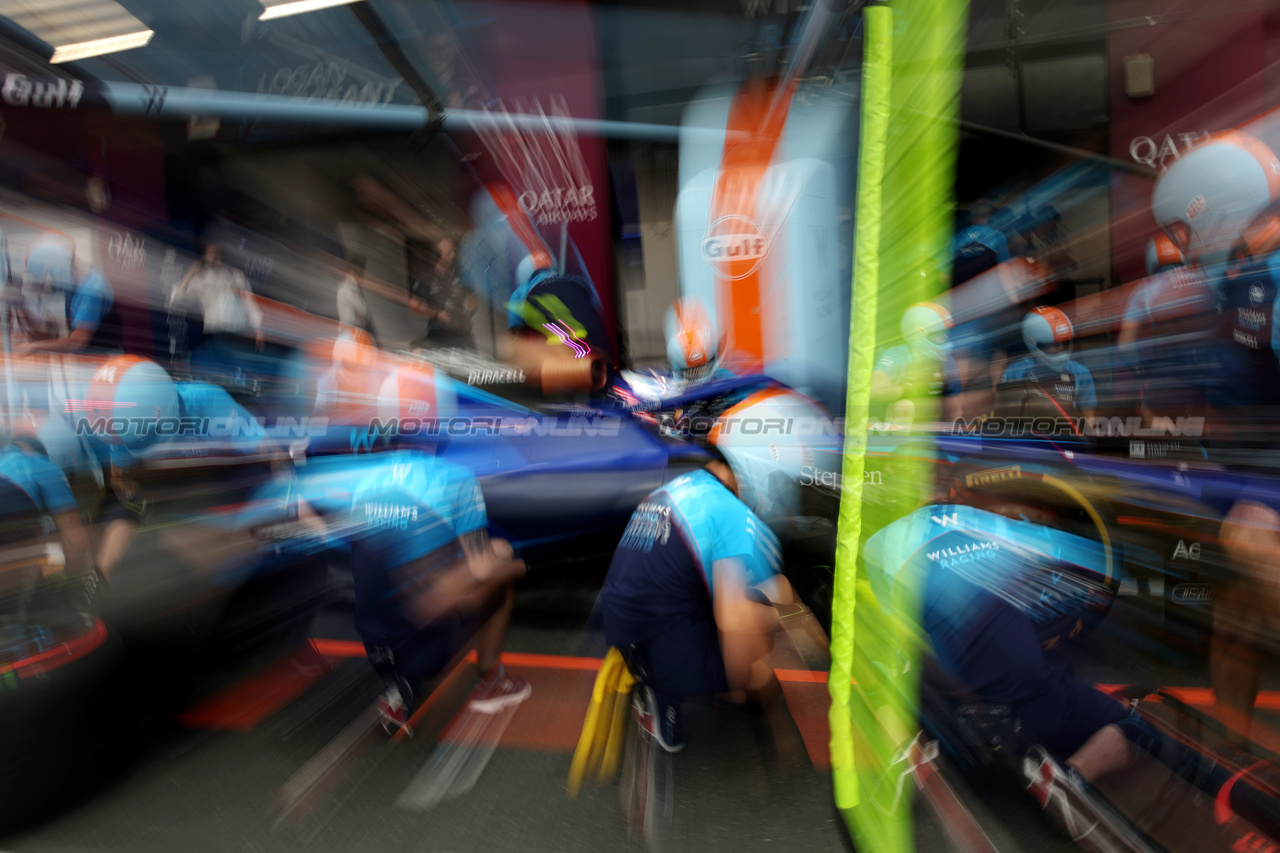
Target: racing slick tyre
x,y
62,711
1051,501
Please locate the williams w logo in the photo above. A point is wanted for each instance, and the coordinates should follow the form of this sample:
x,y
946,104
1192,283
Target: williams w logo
x,y
362,442
946,520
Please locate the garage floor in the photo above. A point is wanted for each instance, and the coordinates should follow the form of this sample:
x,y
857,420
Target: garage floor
x,y
273,757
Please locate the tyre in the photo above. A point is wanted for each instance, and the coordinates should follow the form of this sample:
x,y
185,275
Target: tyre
x,y
1052,501
62,711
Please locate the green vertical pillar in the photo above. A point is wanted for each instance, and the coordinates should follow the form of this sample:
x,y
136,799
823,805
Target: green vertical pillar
x,y
913,59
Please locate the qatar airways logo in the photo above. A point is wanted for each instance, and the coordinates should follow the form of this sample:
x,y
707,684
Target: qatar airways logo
x,y
734,247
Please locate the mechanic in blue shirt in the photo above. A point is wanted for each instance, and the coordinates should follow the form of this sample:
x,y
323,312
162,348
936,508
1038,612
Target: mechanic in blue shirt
x,y
136,416
687,597
427,576
921,367
61,313
975,250
1248,337
25,464
1047,333
980,582
1165,346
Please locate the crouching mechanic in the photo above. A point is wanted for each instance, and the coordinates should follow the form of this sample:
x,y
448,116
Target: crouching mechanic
x,y
687,598
25,464
427,577
974,576
142,422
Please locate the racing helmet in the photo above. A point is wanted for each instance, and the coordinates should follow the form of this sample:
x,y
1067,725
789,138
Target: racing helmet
x,y
924,327
770,440
419,399
345,392
354,348
1162,254
1047,333
136,397
693,344
531,265
51,261
1206,198
51,438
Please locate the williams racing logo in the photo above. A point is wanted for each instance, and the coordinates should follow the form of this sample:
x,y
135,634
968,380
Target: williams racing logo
x,y
650,525
961,554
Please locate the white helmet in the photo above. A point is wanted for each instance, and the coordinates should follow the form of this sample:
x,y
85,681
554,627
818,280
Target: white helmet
x,y
1048,327
1162,254
51,259
693,345
1204,200
531,266
924,327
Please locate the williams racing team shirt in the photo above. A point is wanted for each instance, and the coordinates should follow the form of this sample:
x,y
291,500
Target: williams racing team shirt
x,y
661,574
945,561
40,479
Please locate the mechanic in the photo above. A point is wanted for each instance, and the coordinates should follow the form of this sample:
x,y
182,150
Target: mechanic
x,y
967,571
919,368
687,598
1218,204
25,463
560,337
1047,333
694,353
60,313
136,415
694,346
978,247
427,576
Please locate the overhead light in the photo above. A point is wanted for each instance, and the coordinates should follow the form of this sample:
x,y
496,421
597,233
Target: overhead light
x,y
97,47
78,29
297,7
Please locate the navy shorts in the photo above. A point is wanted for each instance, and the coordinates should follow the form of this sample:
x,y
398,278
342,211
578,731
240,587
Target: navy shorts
x,y
1002,662
683,660
398,647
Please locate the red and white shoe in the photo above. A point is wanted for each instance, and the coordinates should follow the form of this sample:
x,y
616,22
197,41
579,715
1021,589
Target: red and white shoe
x,y
1059,790
499,691
393,712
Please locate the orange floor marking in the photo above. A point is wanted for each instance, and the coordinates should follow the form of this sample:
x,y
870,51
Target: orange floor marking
x,y
250,701
562,684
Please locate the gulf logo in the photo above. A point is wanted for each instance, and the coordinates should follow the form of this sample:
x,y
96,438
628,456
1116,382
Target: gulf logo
x,y
734,246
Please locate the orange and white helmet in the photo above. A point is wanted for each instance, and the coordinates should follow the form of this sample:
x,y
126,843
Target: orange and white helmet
x,y
354,348
1162,254
1206,199
693,344
345,393
924,328
419,398
1047,333
136,396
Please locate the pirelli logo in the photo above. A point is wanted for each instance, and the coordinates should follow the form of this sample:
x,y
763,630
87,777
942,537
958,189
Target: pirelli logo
x,y
995,475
